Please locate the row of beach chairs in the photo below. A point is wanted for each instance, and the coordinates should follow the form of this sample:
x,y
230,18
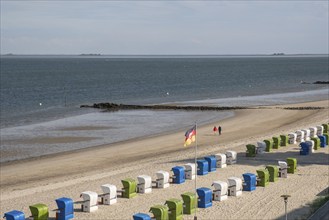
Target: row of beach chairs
x,y
315,137
174,209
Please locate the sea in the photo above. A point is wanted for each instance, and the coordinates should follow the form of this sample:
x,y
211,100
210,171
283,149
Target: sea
x,y
41,95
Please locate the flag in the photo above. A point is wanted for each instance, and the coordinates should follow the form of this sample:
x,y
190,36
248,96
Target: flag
x,y
190,136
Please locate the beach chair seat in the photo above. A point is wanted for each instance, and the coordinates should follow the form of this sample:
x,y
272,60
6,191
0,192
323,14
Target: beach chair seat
x,y
202,168
273,172
249,183
269,145
320,129
251,150
276,142
263,177
189,171
175,209
204,197
211,163
300,136
292,138
129,189
261,147
178,176
231,157
221,160
323,142
220,192
65,209
162,180
144,184
284,140
283,169
160,212
292,165
39,211
14,215
90,200
109,195
189,202
316,143
141,216
234,186
313,131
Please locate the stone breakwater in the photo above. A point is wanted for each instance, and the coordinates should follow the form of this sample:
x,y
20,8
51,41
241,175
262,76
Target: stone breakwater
x,y
116,107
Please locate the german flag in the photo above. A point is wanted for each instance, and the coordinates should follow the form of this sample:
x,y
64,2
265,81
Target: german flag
x,y
190,136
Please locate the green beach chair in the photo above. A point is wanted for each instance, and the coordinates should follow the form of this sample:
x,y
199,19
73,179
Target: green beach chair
x,y
274,172
316,142
325,128
129,188
269,145
160,212
39,211
251,150
284,140
175,209
327,137
276,142
263,177
292,165
190,201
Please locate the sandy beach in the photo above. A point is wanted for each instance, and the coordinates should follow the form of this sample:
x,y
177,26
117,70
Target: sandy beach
x,y
44,179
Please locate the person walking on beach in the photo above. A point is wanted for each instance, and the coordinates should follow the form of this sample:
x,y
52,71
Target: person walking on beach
x,y
214,129
219,130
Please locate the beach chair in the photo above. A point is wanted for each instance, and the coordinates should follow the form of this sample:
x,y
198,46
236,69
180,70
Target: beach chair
x,y
313,131
251,150
269,145
307,134
263,177
234,186
292,138
276,142
109,196
144,184
202,167
160,212
231,157
323,141
300,136
327,138
189,202
311,146
175,209
65,209
162,180
292,165
14,215
90,200
316,143
274,172
221,190
189,171
39,211
211,163
304,148
261,147
141,216
204,197
221,160
178,176
129,189
283,168
325,128
284,140
249,183
320,129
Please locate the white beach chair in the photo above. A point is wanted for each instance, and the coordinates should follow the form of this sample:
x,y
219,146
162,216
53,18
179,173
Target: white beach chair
x,y
313,132
320,129
311,144
220,160
231,157
162,180
234,186
190,171
292,138
89,201
144,184
300,136
283,169
220,191
109,195
261,147
307,134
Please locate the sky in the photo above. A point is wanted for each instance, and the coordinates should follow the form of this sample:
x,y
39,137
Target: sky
x,y
164,27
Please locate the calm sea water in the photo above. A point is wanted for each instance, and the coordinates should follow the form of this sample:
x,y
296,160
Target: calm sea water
x,y
38,90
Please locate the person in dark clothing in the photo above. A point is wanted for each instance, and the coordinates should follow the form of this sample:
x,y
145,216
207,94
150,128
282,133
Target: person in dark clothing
x,y
219,130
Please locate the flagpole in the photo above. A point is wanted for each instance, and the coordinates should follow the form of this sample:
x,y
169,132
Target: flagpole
x,y
196,169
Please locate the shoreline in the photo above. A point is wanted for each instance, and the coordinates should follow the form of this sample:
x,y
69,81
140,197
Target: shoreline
x,y
69,173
